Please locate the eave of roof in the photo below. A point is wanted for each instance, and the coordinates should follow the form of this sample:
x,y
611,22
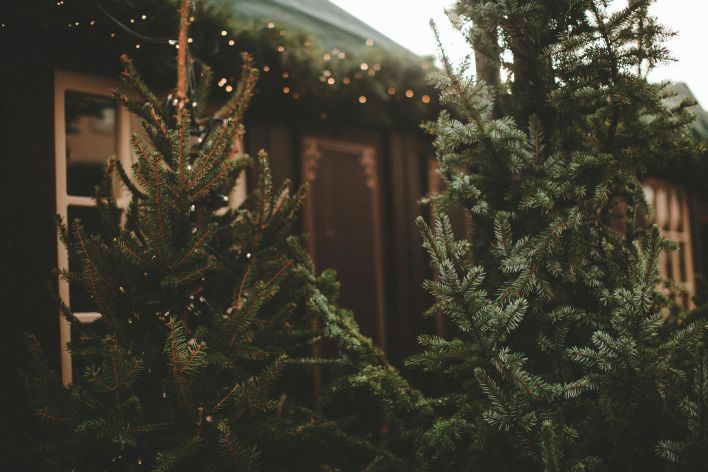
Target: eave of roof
x,y
330,24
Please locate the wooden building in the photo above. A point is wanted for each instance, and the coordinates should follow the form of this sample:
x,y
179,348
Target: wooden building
x,y
338,108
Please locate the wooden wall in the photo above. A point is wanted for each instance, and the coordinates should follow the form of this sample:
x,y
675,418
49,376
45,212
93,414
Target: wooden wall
x,y
28,247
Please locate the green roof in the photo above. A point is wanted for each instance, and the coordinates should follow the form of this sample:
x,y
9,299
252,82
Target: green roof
x,y
330,24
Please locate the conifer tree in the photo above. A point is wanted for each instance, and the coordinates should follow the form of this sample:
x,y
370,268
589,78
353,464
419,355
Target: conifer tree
x,y
560,358
201,359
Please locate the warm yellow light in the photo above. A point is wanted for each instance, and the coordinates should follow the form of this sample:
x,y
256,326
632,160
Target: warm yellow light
x,y
286,75
281,48
377,67
231,42
409,93
286,89
326,56
364,66
271,25
224,33
266,68
137,46
331,81
425,99
229,88
391,91
362,99
346,81
341,55
371,72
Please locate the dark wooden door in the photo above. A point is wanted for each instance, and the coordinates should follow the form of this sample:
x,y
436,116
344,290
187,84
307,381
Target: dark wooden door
x,y
343,218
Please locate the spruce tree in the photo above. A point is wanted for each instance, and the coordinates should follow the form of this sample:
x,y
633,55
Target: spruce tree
x,y
560,357
202,358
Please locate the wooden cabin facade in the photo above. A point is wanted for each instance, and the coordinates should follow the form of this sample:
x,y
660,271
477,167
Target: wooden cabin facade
x,y
58,124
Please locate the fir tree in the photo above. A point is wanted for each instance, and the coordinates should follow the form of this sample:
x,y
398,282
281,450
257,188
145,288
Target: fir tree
x,y
560,359
201,359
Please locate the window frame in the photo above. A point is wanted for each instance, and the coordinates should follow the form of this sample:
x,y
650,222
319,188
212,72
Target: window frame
x,y
99,86
669,208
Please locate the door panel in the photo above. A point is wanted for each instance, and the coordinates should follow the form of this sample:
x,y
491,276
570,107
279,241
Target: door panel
x,y
343,218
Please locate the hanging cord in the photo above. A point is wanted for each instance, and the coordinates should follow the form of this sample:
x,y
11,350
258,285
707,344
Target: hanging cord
x,y
129,30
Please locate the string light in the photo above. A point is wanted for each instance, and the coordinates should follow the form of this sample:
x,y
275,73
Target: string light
x,y
137,46
362,99
327,73
364,66
377,67
331,81
132,20
346,81
286,89
326,57
391,91
224,33
341,55
285,75
143,17
231,42
93,22
409,93
371,72
266,68
425,99
369,42
281,48
229,89
271,25
190,40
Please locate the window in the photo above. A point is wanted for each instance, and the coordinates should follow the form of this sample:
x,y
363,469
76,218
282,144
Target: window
x,y
90,127
669,210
